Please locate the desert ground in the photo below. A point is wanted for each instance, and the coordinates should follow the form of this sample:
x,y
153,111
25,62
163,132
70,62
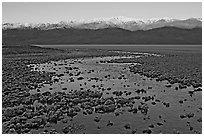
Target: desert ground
x,y
102,90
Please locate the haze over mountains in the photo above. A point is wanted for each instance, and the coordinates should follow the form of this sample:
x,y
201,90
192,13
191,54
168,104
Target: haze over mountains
x,y
115,30
131,24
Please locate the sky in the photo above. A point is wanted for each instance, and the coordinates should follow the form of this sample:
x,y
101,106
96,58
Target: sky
x,y
47,12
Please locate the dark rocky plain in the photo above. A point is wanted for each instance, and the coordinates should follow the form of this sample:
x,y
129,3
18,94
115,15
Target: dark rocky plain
x,y
32,102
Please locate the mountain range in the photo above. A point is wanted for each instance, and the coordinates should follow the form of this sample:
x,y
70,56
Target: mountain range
x,y
130,24
116,30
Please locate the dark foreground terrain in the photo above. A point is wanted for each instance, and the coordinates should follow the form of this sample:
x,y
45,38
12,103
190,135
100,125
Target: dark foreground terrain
x,y
71,90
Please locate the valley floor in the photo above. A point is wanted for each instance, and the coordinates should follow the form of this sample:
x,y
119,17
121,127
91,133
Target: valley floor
x,y
71,90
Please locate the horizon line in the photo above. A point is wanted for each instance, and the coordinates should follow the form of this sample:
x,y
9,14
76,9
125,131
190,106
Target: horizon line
x,y
105,18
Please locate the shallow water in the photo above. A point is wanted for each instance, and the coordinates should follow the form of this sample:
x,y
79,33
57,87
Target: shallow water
x,y
164,109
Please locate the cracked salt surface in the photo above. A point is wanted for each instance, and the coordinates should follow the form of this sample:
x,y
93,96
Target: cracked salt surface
x,y
153,107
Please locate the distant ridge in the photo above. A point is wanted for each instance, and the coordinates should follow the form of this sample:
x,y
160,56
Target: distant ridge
x,y
161,35
131,24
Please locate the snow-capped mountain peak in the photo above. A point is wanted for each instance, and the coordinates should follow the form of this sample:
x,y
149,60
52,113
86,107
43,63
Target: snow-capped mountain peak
x,y
131,24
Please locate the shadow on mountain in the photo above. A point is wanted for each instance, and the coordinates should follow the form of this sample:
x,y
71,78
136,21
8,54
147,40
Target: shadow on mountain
x,y
164,35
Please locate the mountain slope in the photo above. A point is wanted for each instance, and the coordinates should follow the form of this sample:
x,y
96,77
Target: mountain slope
x,y
131,24
163,35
